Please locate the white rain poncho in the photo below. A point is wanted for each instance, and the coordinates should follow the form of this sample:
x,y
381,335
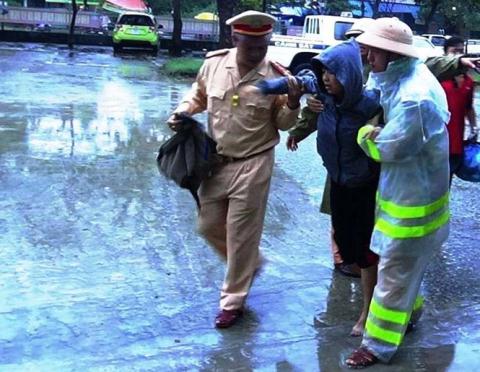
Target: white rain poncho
x,y
412,204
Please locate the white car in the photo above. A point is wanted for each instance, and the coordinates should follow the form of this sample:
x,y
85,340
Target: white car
x,y
425,47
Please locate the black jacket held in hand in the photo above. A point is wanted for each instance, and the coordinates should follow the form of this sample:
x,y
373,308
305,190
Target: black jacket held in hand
x,y
186,158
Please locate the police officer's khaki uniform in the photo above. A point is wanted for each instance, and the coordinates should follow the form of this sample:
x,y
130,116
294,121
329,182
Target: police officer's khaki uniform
x,y
245,127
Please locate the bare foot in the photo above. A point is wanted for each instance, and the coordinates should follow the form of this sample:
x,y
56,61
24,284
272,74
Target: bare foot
x,y
358,328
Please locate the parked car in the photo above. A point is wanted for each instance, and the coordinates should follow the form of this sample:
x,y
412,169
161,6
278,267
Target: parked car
x,y
138,30
46,27
426,47
472,47
438,40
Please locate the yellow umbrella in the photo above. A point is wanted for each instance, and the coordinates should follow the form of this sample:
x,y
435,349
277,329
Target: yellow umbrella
x,y
206,16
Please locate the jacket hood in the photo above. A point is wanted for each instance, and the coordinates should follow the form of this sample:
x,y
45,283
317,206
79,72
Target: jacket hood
x,y
345,62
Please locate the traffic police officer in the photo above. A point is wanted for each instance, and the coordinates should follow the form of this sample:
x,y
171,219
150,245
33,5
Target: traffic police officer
x,y
245,126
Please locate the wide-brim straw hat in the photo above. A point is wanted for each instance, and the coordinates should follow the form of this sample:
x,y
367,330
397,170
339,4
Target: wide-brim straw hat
x,y
390,34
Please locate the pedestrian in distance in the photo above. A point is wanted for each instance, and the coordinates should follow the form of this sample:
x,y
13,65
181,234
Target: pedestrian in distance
x,y
245,126
412,219
459,90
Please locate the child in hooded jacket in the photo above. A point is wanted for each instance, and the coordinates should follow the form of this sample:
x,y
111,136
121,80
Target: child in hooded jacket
x,y
337,78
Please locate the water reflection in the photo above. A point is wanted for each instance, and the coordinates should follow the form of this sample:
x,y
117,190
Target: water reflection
x,y
100,130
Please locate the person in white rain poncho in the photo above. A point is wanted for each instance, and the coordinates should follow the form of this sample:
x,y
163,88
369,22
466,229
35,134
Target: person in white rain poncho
x,y
412,217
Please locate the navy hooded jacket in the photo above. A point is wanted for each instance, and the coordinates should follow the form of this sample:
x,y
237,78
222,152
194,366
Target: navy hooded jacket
x,y
338,124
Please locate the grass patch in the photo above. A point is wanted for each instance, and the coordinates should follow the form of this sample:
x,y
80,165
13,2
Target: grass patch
x,y
184,66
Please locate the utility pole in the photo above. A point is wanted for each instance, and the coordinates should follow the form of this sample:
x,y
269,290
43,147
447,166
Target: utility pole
x,y
264,6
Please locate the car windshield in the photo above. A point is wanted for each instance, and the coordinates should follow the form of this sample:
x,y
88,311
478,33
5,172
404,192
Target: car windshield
x,y
438,40
422,43
135,20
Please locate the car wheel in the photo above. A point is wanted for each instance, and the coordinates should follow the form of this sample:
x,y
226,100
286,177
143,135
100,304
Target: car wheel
x,y
300,67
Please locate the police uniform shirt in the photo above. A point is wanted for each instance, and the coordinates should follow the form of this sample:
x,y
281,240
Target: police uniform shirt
x,y
241,120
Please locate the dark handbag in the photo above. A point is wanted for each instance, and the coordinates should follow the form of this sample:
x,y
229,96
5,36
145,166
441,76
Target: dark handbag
x,y
470,168
187,157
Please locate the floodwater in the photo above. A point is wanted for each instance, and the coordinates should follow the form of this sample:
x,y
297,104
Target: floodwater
x,y
102,269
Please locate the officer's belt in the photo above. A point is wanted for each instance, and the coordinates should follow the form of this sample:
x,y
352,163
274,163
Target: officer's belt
x,y
231,159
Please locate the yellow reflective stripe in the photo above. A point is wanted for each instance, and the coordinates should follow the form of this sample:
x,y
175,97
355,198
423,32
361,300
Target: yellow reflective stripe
x,y
403,232
363,131
418,303
372,149
399,211
388,315
385,335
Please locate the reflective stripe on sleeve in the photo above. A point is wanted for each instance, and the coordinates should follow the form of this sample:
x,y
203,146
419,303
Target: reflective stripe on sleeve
x,y
372,149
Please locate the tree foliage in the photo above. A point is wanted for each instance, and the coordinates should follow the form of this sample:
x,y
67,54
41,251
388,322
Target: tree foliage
x,y
455,17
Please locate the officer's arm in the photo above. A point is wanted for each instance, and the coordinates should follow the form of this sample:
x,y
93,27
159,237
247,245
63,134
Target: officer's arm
x,y
445,67
195,100
305,124
403,136
284,117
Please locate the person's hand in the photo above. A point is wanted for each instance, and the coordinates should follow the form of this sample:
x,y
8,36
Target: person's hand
x,y
470,62
373,133
292,143
174,122
315,105
295,91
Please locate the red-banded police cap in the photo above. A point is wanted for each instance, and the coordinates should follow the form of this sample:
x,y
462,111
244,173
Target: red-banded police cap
x,y
252,23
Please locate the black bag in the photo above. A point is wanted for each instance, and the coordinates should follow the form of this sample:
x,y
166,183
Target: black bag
x,y
186,158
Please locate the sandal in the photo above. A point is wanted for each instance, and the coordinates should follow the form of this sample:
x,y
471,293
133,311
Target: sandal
x,y
361,358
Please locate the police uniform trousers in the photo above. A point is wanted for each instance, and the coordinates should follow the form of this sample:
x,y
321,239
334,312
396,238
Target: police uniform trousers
x,y
396,302
233,203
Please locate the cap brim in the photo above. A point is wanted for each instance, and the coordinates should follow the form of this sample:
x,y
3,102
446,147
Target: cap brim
x,y
353,33
375,41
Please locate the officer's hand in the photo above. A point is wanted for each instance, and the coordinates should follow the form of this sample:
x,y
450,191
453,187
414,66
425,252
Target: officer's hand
x,y
314,104
174,122
469,62
295,91
292,143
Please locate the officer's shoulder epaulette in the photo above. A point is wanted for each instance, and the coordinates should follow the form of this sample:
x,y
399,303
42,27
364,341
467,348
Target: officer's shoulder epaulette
x,y
278,67
215,53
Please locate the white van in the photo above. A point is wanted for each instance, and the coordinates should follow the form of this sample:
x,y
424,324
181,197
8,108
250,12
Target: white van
x,y
319,32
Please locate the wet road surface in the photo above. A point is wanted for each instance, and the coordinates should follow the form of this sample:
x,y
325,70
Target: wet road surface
x,y
102,269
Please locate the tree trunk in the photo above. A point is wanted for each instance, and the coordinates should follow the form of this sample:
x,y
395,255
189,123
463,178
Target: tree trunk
x,y
225,11
72,24
431,13
176,46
